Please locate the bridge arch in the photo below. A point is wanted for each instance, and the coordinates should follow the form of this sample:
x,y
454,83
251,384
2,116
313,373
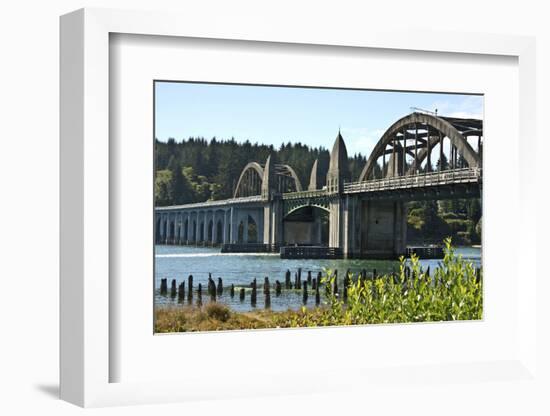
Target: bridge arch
x,y
252,177
292,184
306,224
443,125
250,180
312,204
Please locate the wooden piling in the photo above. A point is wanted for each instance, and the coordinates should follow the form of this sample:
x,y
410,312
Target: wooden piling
x,y
304,294
232,290
254,294
220,286
347,280
319,278
211,286
173,289
309,277
267,299
181,291
314,284
277,288
288,283
266,285
190,287
298,283
163,286
199,295
241,294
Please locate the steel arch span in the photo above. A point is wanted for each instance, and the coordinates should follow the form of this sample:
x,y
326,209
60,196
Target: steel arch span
x,y
436,128
253,175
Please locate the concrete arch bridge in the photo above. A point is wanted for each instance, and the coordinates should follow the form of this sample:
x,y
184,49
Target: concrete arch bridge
x,y
419,157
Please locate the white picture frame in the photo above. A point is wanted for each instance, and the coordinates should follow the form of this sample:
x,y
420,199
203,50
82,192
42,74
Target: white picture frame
x,y
86,264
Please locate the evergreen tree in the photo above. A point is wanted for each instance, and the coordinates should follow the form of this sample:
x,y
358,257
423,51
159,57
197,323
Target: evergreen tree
x,y
181,192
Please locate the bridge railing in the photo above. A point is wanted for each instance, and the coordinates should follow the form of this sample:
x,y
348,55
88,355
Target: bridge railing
x,y
446,177
305,194
213,203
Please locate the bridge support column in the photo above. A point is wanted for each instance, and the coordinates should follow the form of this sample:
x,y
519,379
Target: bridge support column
x,y
273,222
383,229
351,227
233,226
335,235
226,226
214,227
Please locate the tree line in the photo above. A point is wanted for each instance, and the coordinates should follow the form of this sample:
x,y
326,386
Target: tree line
x,y
197,169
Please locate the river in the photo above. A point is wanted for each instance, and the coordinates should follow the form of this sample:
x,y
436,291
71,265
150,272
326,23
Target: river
x,y
178,262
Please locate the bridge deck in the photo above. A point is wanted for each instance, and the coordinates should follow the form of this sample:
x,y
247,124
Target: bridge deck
x,y
213,204
422,180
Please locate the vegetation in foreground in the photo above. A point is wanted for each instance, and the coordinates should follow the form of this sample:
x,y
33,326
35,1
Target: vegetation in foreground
x,y
452,292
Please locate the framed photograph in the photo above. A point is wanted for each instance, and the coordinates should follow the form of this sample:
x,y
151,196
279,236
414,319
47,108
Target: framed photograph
x,y
280,234
252,206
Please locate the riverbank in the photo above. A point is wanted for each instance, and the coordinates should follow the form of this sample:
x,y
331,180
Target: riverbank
x,y
218,317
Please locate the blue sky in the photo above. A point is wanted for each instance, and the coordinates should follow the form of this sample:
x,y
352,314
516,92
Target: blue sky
x,y
273,115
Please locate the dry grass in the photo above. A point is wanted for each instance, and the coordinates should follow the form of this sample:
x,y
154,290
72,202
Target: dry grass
x,y
218,317
210,317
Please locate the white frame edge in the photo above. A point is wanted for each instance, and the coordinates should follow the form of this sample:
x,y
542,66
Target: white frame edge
x,y
84,159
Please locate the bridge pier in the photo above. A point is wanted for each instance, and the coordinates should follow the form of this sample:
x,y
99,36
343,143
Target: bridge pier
x,y
383,228
273,222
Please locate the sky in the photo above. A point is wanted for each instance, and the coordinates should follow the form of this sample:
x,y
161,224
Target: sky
x,y
275,115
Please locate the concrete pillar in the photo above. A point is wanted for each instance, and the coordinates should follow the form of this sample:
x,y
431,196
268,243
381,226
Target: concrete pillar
x,y
267,224
168,228
383,229
335,215
233,226
190,235
197,228
206,226
225,227
180,228
351,226
161,229
214,227
400,233
260,224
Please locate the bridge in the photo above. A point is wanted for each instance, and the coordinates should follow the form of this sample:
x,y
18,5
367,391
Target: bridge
x,y
365,218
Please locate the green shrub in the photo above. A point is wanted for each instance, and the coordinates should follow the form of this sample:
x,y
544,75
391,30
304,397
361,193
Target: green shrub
x,y
453,292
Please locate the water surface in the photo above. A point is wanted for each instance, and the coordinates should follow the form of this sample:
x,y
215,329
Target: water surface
x,y
178,262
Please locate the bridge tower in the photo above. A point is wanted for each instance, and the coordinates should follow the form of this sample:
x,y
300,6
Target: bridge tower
x,y
342,209
273,205
314,177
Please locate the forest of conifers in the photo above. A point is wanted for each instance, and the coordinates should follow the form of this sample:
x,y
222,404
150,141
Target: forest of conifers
x,y
197,169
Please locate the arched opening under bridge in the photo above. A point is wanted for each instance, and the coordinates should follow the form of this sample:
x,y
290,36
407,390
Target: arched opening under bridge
x,y
307,225
247,232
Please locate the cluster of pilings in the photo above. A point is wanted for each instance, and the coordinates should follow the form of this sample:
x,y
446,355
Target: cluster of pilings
x,y
306,285
297,284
